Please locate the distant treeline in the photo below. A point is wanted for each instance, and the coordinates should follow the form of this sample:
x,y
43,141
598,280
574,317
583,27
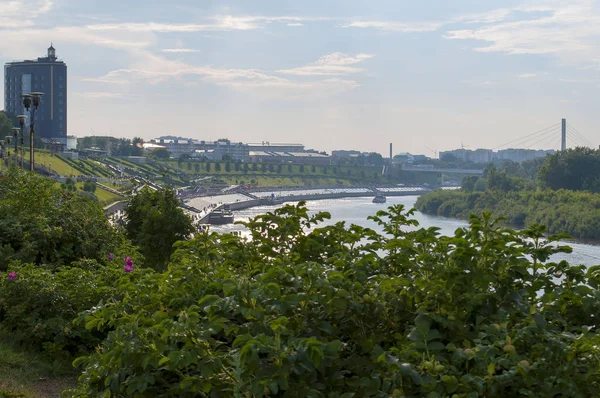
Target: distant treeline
x,y
562,192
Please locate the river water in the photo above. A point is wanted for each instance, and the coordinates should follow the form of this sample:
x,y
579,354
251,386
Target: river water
x,y
356,211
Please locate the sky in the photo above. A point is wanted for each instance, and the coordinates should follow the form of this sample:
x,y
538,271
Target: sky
x,y
427,75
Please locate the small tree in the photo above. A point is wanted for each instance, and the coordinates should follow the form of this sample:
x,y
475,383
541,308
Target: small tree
x,y
313,169
161,154
217,166
301,168
228,167
207,167
197,167
263,167
289,168
155,222
254,167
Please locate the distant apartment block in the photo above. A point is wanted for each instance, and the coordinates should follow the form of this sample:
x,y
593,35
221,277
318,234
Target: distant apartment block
x,y
49,76
522,155
487,155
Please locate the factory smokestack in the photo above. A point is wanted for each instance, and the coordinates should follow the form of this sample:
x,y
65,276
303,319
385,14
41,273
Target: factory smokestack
x,y
391,152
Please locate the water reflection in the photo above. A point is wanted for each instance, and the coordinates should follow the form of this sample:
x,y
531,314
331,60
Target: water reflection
x,y
356,211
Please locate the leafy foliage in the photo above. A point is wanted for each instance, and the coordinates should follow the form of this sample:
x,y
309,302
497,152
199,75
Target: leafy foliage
x,y
37,305
44,225
340,311
574,213
575,169
155,222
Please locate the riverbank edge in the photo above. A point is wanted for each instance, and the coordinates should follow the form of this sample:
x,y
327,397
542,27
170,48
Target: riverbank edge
x,y
303,197
522,209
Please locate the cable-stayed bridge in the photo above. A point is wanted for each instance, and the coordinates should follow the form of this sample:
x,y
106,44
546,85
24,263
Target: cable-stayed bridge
x,y
559,136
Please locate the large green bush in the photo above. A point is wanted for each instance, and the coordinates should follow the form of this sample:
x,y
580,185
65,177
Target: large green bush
x,y
343,311
43,225
37,305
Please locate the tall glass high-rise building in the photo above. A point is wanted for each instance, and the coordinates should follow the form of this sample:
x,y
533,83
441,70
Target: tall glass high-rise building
x,y
47,75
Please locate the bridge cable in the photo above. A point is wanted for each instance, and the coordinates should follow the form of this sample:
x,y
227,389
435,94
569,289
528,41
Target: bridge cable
x,y
579,140
544,139
531,140
576,132
534,140
530,135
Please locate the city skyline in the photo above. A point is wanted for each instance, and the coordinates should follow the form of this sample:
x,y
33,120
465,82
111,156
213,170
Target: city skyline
x,y
341,75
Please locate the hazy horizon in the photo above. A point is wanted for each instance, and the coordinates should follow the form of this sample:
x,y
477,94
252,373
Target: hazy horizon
x,y
426,76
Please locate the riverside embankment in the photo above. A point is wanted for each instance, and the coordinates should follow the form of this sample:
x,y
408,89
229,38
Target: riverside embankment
x,y
203,206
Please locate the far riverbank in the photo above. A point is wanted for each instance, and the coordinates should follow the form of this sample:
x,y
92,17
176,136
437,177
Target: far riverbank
x,y
356,211
203,206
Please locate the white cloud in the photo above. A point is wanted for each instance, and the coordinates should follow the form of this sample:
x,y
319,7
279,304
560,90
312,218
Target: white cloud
x,y
330,65
219,23
567,80
155,69
485,17
178,50
97,95
479,83
527,75
25,42
295,25
21,13
395,26
569,30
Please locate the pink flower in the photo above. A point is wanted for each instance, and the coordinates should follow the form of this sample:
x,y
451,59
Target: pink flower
x,y
110,256
12,275
128,264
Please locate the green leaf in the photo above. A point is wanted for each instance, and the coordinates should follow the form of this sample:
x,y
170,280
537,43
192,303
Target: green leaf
x,y
163,360
229,287
539,320
436,346
423,323
206,387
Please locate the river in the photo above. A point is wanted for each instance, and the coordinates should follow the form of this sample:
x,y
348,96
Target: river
x,y
356,211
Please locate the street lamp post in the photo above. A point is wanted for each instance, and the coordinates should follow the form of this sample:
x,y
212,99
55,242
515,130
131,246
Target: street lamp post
x,y
16,138
32,101
7,148
22,119
2,147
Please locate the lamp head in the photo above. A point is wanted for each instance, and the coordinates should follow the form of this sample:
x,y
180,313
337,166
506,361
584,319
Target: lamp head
x,y
37,98
22,119
16,131
26,101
